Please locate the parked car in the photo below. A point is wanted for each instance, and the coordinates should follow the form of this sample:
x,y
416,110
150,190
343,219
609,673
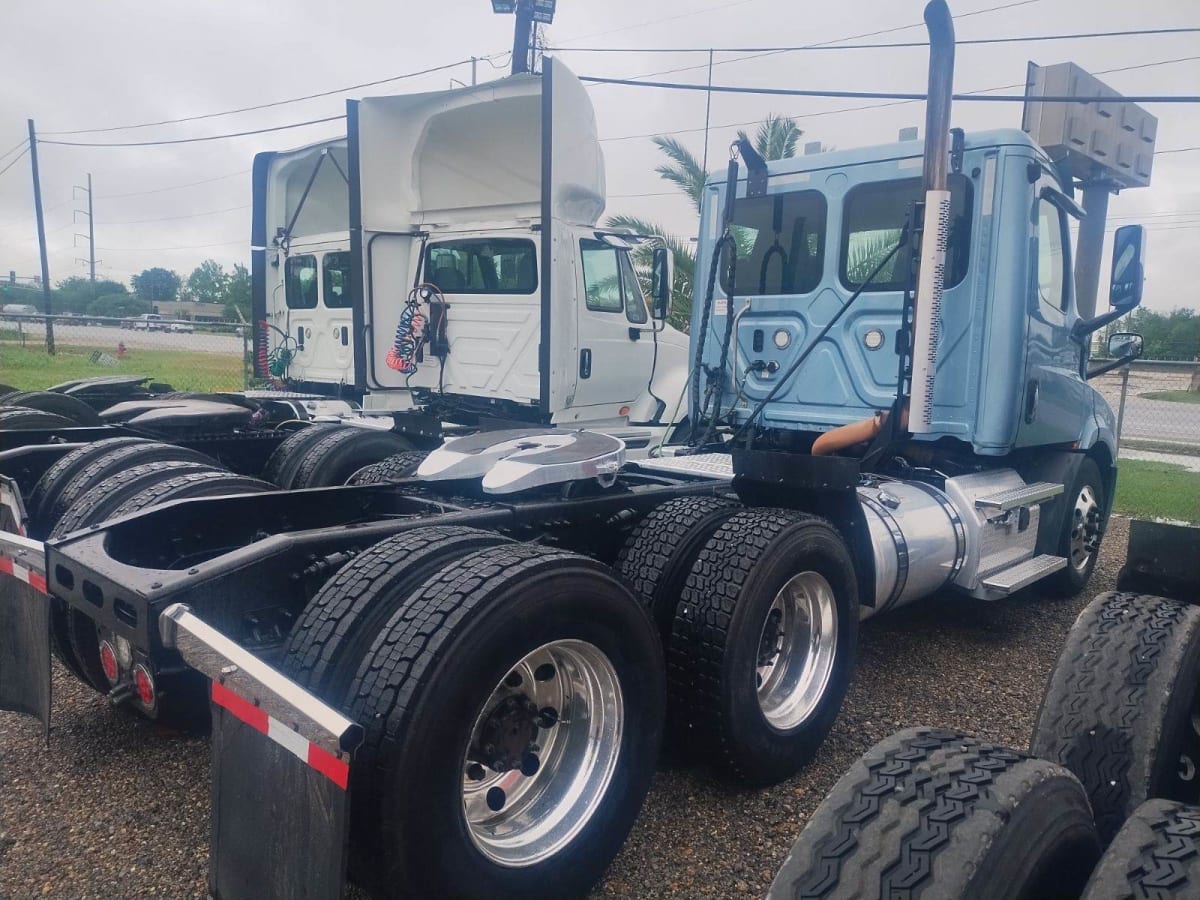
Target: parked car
x,y
181,328
145,322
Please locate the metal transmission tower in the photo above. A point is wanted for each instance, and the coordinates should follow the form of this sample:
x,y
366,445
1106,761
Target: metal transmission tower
x,y
91,260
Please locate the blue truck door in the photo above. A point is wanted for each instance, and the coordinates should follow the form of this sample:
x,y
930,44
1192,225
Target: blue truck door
x,y
1056,402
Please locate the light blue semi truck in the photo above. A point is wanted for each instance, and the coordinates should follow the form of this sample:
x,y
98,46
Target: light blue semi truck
x,y
456,682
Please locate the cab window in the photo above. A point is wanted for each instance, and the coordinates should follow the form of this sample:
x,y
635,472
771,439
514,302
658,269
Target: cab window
x,y
602,278
873,220
635,300
483,266
337,279
780,242
1051,258
300,280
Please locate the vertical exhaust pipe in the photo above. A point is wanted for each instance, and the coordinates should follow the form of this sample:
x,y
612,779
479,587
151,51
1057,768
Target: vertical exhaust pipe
x,y
931,280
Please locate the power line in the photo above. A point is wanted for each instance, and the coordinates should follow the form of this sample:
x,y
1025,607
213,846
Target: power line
x,y
173,187
210,137
271,105
694,12
850,37
1025,39
869,106
1176,150
165,249
884,95
18,146
16,159
211,212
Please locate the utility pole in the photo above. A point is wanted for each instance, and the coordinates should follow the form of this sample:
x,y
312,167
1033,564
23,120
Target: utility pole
x,y
474,62
522,37
41,231
91,239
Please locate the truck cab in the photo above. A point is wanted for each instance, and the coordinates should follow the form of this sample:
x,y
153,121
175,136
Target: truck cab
x,y
1010,367
301,274
487,285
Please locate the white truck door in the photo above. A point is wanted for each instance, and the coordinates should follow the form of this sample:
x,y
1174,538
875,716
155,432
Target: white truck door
x,y
315,313
614,344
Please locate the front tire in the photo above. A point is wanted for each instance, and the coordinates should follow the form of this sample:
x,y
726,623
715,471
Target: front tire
x,y
479,650
1081,530
763,644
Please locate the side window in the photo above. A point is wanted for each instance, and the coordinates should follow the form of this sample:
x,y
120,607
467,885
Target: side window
x,y
873,220
635,302
1051,261
483,266
337,279
601,276
300,282
780,244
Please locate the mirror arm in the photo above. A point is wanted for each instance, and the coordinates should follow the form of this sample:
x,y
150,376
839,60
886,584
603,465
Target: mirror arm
x,y
1109,366
1084,327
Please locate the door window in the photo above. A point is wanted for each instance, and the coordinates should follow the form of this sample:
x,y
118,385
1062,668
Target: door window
x,y
337,279
635,300
300,278
483,266
780,242
602,276
1051,259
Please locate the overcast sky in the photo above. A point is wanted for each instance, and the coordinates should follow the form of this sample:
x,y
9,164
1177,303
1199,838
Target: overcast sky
x,y
74,64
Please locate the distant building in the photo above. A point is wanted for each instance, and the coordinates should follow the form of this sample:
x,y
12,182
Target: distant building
x,y
196,312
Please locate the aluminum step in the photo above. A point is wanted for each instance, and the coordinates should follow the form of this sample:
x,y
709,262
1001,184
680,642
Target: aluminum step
x,y
1017,497
1023,574
709,465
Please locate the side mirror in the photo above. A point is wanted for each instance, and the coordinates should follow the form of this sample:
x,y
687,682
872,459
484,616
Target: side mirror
x,y
662,280
1125,346
1129,250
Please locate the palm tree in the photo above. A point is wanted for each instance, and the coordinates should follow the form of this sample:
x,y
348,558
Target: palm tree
x,y
776,138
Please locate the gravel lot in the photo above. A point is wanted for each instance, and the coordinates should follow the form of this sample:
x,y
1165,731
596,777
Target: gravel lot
x,y
117,807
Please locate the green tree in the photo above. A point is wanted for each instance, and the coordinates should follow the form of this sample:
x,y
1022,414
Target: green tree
x,y
156,284
119,305
208,283
237,294
776,138
75,294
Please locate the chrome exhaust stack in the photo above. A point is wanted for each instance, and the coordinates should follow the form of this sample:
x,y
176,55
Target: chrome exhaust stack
x,y
927,317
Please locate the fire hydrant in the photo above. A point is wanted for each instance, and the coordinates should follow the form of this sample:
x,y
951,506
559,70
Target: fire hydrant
x,y
120,350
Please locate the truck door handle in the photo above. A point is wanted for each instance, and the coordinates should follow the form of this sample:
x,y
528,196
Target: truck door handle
x,y
585,363
1031,400
300,337
345,336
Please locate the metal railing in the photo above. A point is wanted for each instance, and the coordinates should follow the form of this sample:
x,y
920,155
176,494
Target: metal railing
x,y
186,354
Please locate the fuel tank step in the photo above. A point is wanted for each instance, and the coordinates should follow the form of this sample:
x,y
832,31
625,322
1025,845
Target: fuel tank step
x,y
1017,497
1026,573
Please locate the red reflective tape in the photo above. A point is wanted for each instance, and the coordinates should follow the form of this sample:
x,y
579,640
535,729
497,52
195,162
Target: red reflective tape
x,y
37,581
336,770
6,566
252,715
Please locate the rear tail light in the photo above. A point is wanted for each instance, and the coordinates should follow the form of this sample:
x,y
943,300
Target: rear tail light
x,y
145,685
108,662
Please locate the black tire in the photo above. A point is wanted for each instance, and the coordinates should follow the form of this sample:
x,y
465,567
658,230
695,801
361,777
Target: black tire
x,y
394,468
1119,707
287,456
660,551
935,813
713,657
341,453
162,482
60,404
1071,580
102,500
48,488
18,418
418,692
339,624
1155,854
100,467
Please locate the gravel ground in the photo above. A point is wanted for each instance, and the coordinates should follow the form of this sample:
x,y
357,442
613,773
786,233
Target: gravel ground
x,y
117,807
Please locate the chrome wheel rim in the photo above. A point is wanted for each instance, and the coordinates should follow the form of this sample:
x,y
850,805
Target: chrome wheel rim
x,y
796,650
542,753
1085,529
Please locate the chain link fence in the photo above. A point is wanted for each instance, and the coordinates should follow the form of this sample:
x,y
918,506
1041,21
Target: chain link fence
x,y
188,355
1157,404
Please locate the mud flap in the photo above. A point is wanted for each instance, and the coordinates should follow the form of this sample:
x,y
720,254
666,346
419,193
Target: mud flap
x,y
24,614
1162,560
280,773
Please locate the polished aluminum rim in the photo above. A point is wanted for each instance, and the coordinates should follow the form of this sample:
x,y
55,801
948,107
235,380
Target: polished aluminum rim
x,y
796,650
542,753
1085,529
